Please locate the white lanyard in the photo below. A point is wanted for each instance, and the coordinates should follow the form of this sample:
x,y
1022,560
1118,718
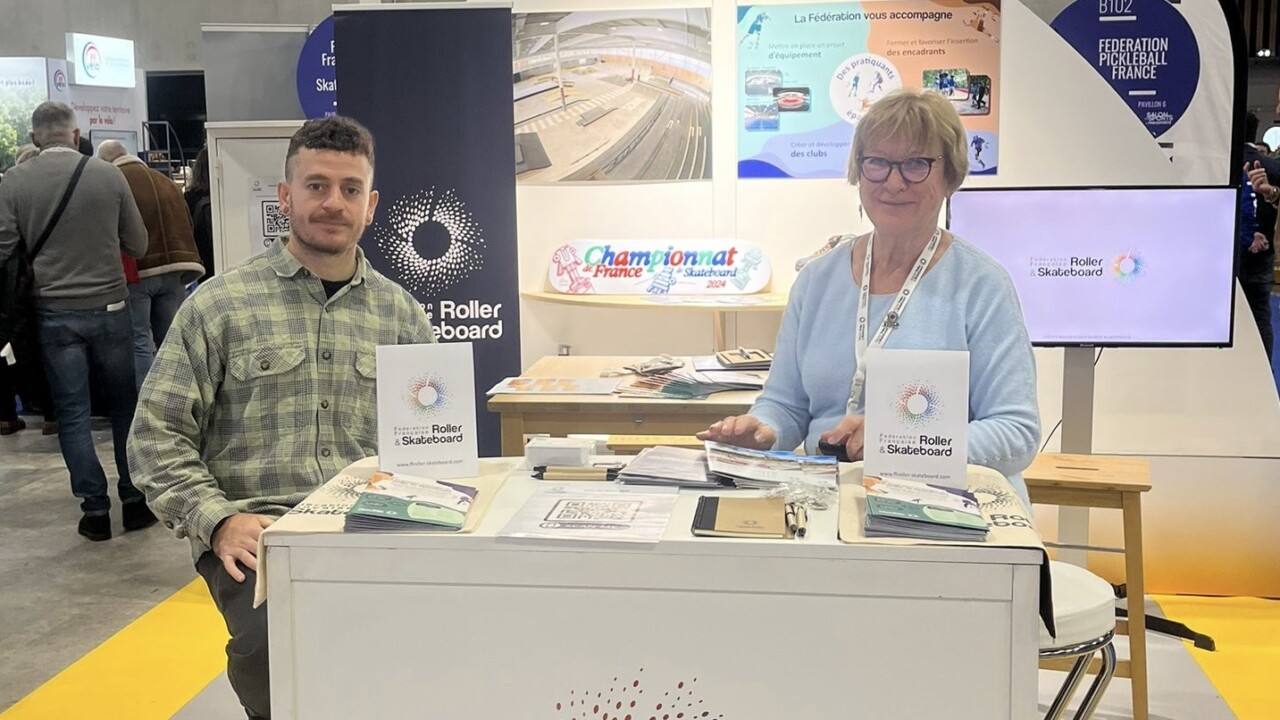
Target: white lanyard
x,y
890,320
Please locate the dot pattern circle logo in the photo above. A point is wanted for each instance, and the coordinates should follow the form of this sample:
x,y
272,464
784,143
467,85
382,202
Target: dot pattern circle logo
x,y
917,403
427,395
463,256
990,497
637,698
1128,266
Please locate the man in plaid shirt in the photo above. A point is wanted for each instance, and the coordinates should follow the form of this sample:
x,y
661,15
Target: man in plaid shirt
x,y
265,385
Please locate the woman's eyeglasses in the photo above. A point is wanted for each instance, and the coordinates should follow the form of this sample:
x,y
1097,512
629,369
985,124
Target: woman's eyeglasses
x,y
913,170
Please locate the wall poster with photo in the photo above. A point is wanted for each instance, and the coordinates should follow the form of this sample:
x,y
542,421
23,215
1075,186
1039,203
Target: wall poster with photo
x,y
612,96
809,72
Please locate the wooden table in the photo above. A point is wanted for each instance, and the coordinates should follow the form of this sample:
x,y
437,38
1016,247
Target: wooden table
x,y
560,415
1100,481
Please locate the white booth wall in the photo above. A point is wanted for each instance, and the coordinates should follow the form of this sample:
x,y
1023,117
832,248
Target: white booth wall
x,y
1209,419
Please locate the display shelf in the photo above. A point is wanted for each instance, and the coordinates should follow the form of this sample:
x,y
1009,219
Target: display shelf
x,y
718,305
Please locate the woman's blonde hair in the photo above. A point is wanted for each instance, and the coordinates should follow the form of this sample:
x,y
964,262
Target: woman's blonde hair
x,y
923,118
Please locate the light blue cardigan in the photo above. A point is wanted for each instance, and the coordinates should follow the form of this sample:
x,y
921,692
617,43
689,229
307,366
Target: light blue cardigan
x,y
965,302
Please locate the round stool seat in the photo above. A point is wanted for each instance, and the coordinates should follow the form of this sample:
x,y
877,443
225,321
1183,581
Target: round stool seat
x,y
1084,607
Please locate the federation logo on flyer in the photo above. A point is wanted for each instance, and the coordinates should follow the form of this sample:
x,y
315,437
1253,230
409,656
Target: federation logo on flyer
x,y
860,81
917,403
427,395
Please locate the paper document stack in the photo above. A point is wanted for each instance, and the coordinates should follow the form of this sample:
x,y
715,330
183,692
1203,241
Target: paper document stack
x,y
754,360
404,503
765,469
687,385
672,467
911,509
594,512
554,386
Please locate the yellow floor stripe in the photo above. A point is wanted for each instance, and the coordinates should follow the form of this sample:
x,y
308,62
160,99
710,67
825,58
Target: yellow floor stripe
x,y
147,671
162,660
1247,634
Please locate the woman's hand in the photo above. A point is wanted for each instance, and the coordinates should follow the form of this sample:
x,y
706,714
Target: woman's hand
x,y
847,432
741,430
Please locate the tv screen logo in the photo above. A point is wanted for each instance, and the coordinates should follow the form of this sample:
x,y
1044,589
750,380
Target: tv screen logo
x,y
91,60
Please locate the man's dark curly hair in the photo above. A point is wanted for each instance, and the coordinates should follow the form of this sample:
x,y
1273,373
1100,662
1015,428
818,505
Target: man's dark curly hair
x,y
336,133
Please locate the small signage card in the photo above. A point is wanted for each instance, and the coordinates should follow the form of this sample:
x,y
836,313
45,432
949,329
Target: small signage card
x,y
427,411
917,415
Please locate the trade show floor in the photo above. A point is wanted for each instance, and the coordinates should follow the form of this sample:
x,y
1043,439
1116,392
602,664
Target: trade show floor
x,y
123,629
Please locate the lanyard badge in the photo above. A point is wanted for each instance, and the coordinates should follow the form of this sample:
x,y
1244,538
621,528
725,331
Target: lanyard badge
x,y
891,320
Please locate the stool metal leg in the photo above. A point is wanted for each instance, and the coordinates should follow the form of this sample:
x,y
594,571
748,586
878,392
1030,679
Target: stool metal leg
x,y
1099,685
1074,676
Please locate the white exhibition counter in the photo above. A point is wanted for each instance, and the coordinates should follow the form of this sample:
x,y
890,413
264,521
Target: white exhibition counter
x,y
486,628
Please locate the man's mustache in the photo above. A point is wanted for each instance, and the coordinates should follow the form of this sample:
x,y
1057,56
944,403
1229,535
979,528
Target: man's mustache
x,y
338,219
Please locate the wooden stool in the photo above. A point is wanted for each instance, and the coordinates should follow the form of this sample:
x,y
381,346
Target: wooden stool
x,y
632,444
1100,481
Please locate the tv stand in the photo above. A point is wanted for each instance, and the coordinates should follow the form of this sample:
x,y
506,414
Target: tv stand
x,y
1077,439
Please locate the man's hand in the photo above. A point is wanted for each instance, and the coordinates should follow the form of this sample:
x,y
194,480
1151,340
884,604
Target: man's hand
x,y
237,539
1259,243
741,431
1258,179
848,432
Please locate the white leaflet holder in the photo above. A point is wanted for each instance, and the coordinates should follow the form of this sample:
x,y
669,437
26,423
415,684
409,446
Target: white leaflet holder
x,y
917,415
426,410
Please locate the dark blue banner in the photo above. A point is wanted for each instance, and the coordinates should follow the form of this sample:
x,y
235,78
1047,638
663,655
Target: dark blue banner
x,y
318,73
1145,49
434,88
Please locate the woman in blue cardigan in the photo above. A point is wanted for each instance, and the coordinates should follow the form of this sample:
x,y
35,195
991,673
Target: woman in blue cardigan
x,y
909,154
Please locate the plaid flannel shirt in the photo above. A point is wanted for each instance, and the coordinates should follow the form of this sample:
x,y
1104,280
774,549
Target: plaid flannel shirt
x,y
263,390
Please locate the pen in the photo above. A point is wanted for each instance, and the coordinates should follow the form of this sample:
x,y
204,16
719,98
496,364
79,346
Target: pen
x,y
559,474
802,521
791,518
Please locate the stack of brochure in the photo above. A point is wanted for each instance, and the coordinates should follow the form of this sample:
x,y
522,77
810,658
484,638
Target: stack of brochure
x,y
911,509
688,385
767,469
404,503
554,386
672,467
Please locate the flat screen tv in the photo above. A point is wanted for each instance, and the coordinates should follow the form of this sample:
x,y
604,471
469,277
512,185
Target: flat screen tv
x,y
128,138
1148,267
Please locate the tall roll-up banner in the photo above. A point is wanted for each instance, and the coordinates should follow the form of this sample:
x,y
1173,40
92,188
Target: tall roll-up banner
x,y
433,85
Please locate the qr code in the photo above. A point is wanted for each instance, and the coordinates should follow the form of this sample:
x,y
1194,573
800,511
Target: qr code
x,y
274,222
589,511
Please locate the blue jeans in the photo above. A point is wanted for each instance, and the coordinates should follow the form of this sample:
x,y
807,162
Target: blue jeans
x,y
153,302
79,345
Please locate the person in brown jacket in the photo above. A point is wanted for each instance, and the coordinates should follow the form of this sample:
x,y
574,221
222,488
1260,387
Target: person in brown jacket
x,y
172,261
